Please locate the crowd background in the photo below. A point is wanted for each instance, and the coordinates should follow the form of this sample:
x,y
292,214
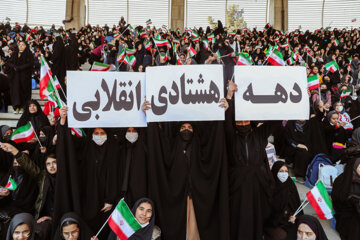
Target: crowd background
x,y
208,180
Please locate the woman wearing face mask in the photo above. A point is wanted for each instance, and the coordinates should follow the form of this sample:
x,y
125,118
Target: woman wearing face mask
x,y
249,203
346,201
284,203
21,63
187,164
309,228
97,154
46,136
133,155
144,213
21,199
22,227
5,132
44,205
344,118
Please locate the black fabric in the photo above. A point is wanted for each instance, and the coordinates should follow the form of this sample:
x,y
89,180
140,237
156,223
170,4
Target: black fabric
x,y
251,182
38,119
175,172
47,208
314,224
38,157
285,200
85,231
22,199
346,214
20,77
19,219
133,165
59,60
67,187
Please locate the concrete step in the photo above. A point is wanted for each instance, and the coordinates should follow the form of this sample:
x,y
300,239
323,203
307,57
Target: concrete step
x,y
9,119
41,102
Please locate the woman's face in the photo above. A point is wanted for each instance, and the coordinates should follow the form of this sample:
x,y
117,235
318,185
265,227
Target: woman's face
x,y
32,108
284,169
51,166
358,170
99,132
22,46
71,232
143,213
334,119
305,232
22,232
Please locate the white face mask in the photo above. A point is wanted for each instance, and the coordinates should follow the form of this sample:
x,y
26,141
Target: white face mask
x,y
282,176
299,238
339,108
132,136
99,140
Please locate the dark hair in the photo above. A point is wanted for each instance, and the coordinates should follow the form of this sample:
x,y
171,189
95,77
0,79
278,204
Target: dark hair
x,y
145,201
50,155
68,223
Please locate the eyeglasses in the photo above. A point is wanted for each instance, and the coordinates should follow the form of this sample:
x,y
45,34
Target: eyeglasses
x,y
72,234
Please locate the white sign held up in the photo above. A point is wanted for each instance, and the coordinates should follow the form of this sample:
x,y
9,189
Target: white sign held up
x,y
105,99
184,93
271,93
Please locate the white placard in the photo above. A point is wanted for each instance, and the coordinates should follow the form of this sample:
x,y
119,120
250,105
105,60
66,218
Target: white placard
x,y
185,93
271,93
105,99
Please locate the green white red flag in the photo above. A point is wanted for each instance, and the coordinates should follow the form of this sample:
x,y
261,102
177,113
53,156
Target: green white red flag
x,y
121,56
11,184
244,59
130,60
275,58
178,61
148,22
148,45
336,43
23,134
122,222
191,52
320,200
98,66
313,82
79,132
332,66
130,52
47,81
345,93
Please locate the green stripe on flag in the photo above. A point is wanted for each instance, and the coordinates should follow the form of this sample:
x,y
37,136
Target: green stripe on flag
x,y
127,215
325,195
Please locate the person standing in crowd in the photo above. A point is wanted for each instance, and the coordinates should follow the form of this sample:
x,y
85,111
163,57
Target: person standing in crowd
x,y
21,63
250,182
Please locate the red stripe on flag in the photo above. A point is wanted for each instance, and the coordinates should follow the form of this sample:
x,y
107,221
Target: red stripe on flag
x,y
315,205
20,140
116,229
273,62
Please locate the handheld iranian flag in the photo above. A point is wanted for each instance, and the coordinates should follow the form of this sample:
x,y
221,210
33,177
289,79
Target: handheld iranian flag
x,y
130,60
313,82
275,58
350,61
121,56
148,22
336,43
122,221
205,42
27,37
218,54
148,45
244,59
160,42
178,60
130,28
23,133
11,185
345,93
320,200
130,52
79,132
98,66
47,81
332,66
56,100
191,52
211,38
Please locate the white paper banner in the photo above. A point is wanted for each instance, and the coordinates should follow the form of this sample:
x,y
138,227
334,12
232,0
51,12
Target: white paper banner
x,y
185,93
105,99
271,93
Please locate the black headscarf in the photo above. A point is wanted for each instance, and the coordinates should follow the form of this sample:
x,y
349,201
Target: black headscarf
x,y
85,231
38,119
37,156
19,219
314,224
285,198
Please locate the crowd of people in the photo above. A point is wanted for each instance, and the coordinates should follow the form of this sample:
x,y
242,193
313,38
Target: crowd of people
x,y
202,180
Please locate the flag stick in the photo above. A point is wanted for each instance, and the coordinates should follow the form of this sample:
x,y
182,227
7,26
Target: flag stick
x,y
302,206
355,118
36,134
